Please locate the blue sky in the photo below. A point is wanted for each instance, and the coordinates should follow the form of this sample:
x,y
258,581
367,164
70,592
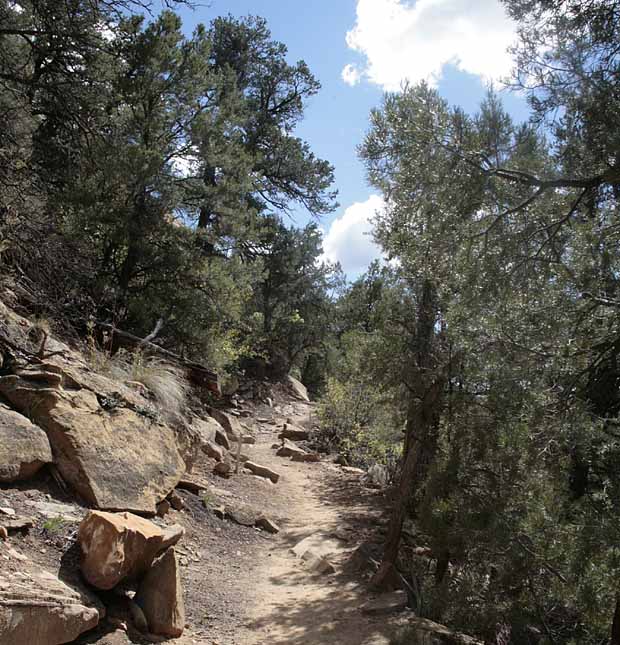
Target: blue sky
x,y
360,48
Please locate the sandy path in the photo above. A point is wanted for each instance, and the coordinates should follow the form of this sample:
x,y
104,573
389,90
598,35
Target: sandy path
x,y
289,604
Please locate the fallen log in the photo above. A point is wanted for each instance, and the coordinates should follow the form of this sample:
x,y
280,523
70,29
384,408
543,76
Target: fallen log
x,y
198,374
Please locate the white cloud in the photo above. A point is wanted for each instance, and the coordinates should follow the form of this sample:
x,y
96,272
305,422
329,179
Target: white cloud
x,y
351,75
349,239
414,41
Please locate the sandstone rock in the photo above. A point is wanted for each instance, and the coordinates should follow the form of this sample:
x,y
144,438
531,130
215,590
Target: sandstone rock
x,y
350,470
230,423
223,469
176,501
36,608
160,596
189,442
317,550
427,632
222,439
389,603
211,449
163,508
207,428
24,447
16,523
264,523
298,388
289,449
262,471
120,546
293,432
308,457
55,510
115,457
248,438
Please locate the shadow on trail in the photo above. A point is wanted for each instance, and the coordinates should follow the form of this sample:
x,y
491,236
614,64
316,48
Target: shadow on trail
x,y
326,609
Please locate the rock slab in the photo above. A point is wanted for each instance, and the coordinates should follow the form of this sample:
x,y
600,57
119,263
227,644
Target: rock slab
x,y
160,597
115,457
24,447
36,608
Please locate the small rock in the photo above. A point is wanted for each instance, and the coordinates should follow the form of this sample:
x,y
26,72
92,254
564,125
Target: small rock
x,y
308,457
223,469
163,508
350,470
264,523
213,450
293,432
176,501
389,603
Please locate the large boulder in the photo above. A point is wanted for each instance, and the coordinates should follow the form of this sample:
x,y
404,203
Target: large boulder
x,y
112,451
298,388
160,596
24,447
36,608
120,546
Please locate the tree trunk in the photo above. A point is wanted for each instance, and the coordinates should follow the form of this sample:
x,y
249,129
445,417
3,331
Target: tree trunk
x,y
615,625
420,435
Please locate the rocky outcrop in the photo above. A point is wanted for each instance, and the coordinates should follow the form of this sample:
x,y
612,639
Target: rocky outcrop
x,y
24,447
120,546
117,455
160,596
36,608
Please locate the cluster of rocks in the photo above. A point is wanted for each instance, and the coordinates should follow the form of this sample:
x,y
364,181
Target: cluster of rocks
x,y
122,548
119,551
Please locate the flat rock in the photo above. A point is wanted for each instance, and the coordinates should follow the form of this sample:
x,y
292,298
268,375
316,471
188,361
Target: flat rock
x,y
262,471
350,470
266,524
36,608
17,523
24,447
160,596
293,432
427,632
289,449
113,456
389,603
308,457
56,510
120,546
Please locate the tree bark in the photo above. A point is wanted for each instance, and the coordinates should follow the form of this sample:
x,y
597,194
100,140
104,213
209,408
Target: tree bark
x,y
420,435
615,625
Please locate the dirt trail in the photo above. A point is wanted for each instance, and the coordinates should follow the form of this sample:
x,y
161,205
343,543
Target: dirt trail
x,y
286,602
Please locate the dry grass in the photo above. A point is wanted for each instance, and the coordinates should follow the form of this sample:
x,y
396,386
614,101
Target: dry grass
x,y
166,382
